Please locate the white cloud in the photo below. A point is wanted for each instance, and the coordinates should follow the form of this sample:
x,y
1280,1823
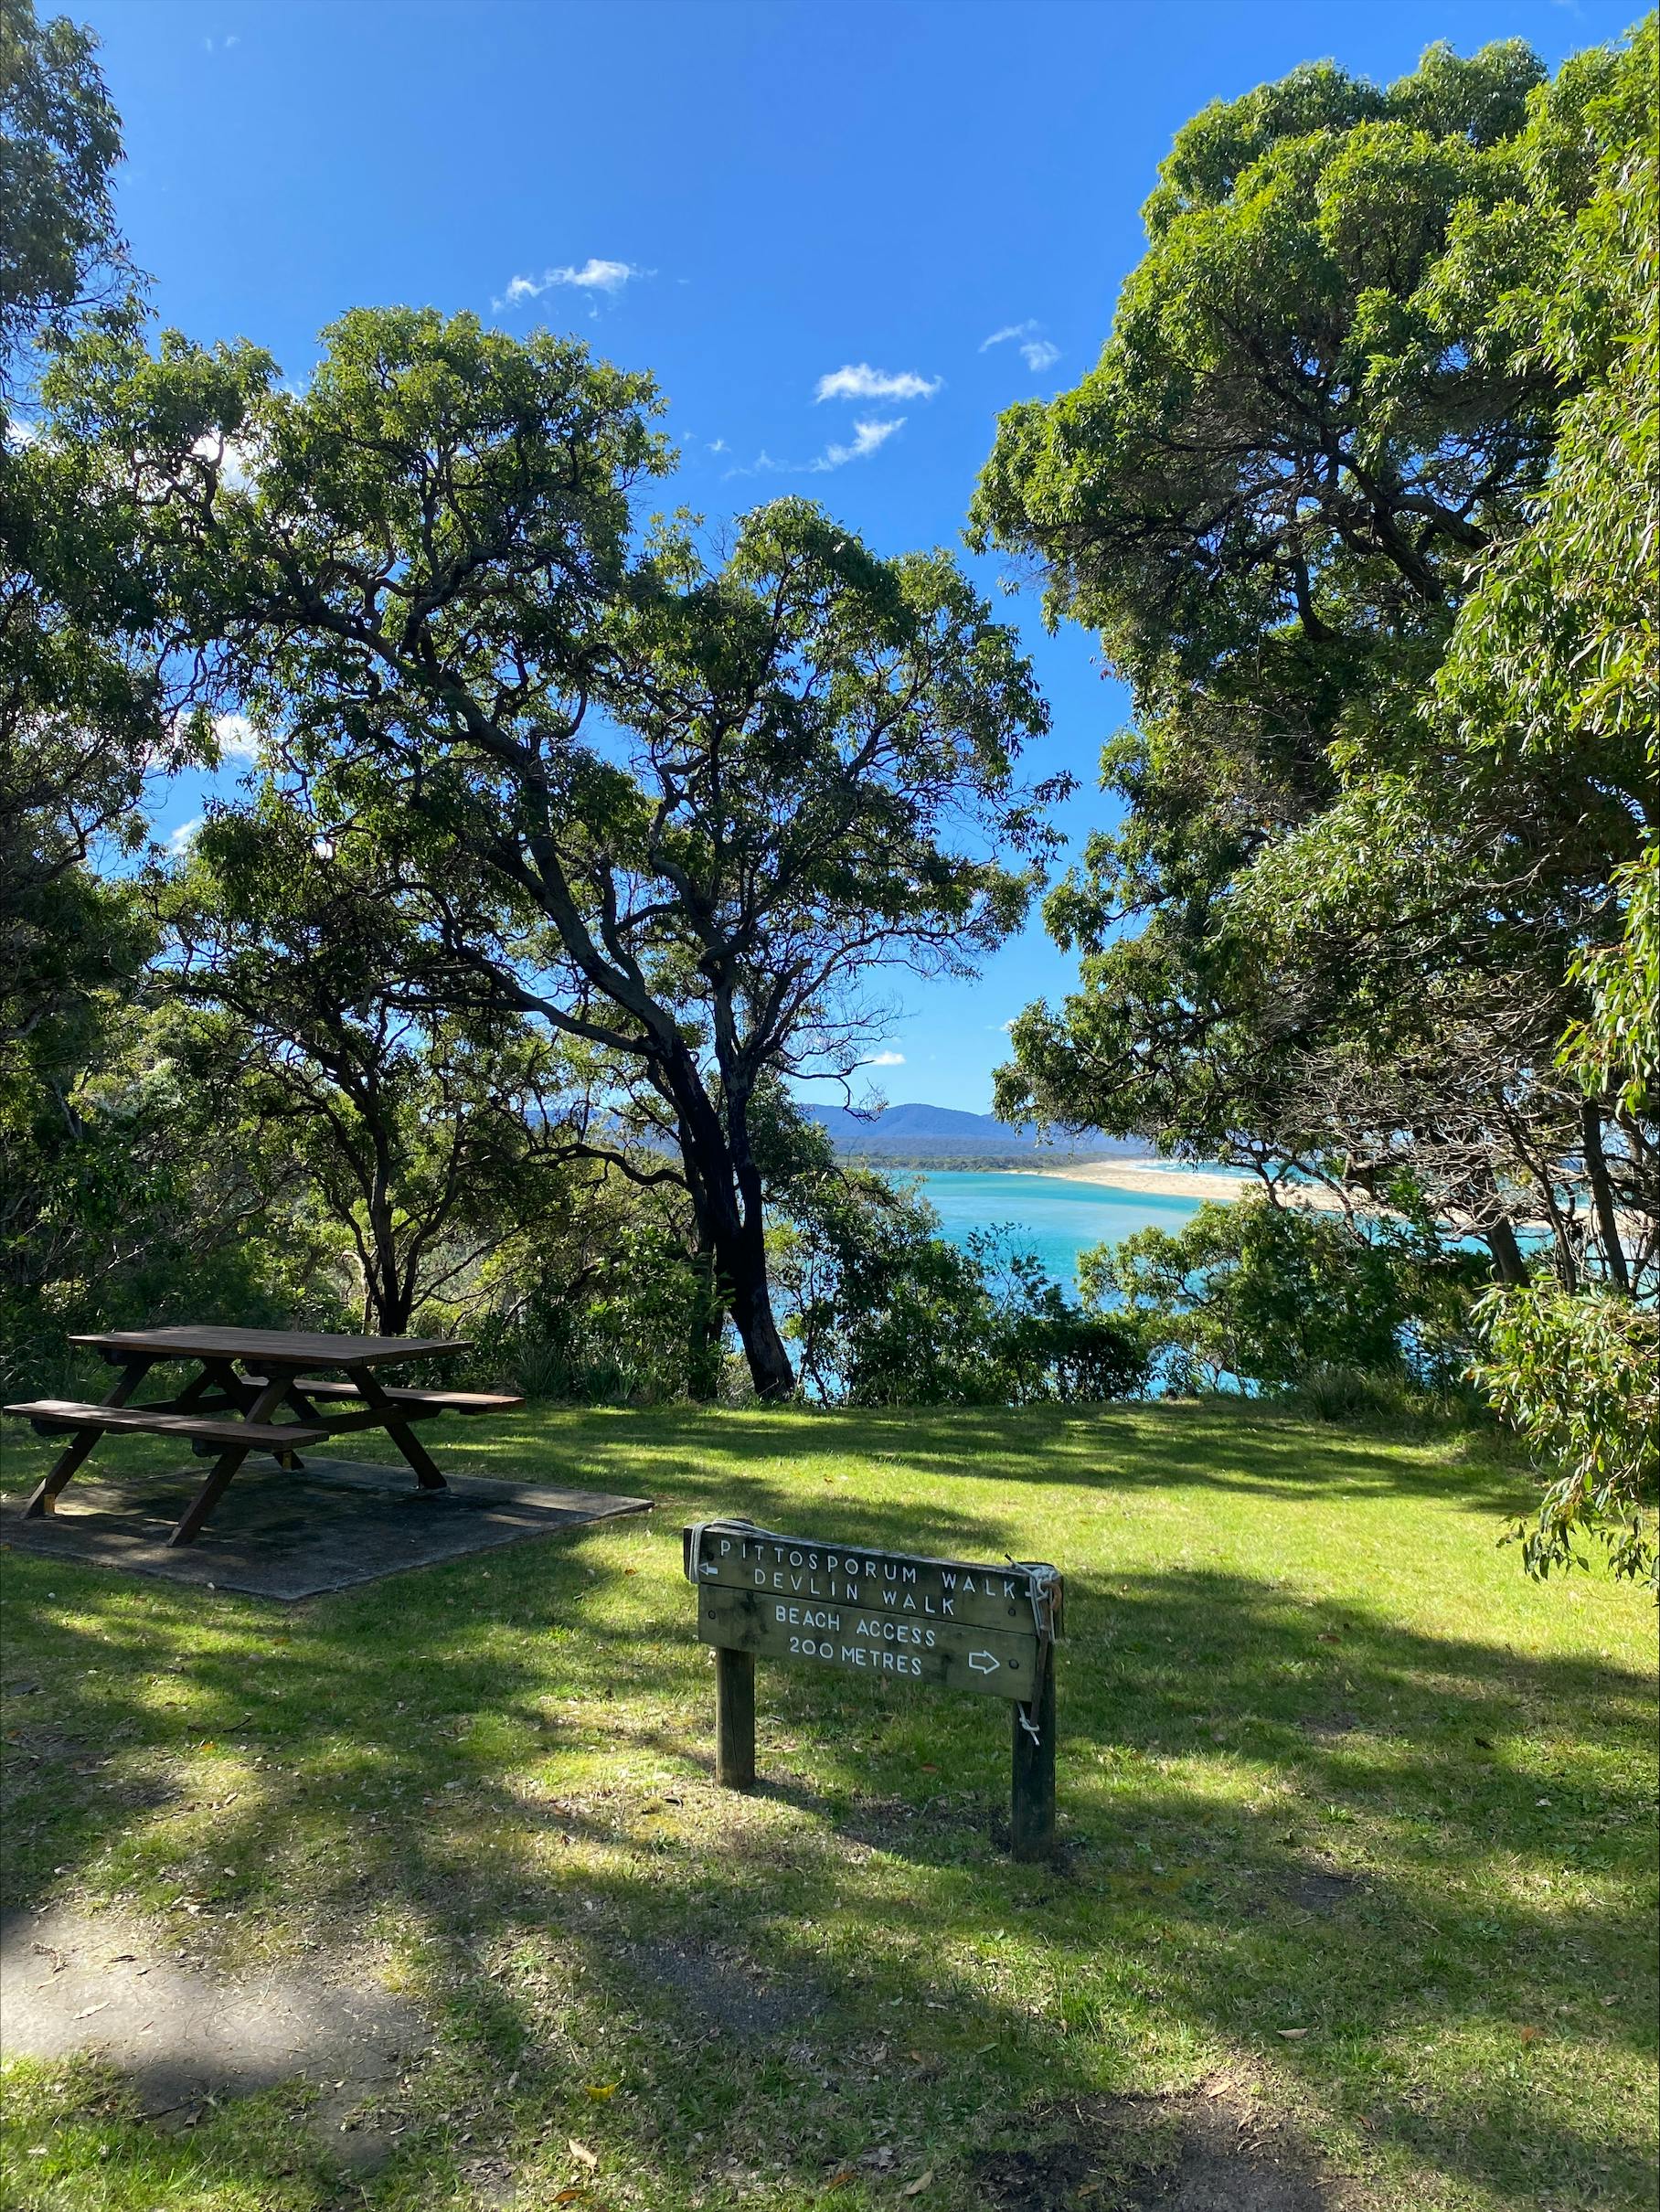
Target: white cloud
x,y
237,736
594,275
868,438
716,445
184,837
884,1060
858,380
1035,350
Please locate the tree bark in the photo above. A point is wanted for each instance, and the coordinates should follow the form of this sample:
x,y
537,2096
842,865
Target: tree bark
x,y
1507,1262
726,1204
703,1350
1602,1197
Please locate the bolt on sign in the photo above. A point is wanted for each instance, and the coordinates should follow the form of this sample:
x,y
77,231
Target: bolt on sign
x,y
947,1623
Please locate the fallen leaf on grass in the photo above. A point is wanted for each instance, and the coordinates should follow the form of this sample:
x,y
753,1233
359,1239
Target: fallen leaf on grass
x,y
843,2175
598,2092
572,2194
1291,2034
581,2151
915,2188
1530,2035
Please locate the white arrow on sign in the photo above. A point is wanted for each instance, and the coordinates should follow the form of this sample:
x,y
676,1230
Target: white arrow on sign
x,y
983,1662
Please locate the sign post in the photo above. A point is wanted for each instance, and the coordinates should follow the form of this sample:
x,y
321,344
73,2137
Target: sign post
x,y
950,1623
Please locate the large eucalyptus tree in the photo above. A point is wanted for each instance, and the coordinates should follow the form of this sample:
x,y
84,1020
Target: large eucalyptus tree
x,y
688,817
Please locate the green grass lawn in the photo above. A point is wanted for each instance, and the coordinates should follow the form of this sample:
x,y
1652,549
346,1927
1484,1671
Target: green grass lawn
x,y
1328,1764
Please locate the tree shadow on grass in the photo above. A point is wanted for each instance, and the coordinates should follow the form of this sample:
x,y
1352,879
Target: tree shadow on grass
x,y
1255,1451
1281,1813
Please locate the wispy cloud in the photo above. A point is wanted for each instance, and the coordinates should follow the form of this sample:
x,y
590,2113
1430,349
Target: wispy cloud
x,y
884,1060
607,278
184,837
858,380
1035,350
868,438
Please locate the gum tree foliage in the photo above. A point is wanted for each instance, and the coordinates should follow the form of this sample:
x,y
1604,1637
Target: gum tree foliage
x,y
1274,1295
421,1142
1578,1377
709,806
1345,922
97,1220
60,254
1555,660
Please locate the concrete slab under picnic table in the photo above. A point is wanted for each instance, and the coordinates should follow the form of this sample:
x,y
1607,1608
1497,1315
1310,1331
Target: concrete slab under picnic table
x,y
298,1533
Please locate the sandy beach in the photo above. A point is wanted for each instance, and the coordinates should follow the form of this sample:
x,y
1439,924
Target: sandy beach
x,y
1167,1180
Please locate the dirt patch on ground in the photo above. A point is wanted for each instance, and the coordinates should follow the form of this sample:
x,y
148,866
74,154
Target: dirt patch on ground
x,y
181,2032
723,1991
1321,1888
1208,2151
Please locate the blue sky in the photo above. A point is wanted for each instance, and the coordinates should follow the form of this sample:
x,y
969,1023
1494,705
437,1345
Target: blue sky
x,y
746,196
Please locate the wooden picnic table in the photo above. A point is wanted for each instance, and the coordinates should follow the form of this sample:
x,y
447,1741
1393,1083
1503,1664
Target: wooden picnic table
x,y
244,1379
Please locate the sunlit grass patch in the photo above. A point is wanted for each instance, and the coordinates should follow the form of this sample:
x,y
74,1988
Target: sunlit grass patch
x,y
1308,1713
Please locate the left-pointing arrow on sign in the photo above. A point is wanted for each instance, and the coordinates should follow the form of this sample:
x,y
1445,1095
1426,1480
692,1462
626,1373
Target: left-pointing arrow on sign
x,y
983,1662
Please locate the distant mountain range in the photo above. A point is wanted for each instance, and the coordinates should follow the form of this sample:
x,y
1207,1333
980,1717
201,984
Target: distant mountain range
x,y
919,1132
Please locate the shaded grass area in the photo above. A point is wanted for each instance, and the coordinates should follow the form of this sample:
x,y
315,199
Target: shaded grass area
x,y
1356,1819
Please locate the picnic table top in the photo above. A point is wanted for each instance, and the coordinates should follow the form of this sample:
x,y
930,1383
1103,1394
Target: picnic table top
x,y
283,1347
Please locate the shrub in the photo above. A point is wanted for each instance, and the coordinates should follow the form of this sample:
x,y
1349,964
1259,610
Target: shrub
x,y
1272,1296
1578,1376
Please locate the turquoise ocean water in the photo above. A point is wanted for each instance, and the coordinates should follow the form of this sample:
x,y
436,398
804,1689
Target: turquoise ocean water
x,y
1048,1215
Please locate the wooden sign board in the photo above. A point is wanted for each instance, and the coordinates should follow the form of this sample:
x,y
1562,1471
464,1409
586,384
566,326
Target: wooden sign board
x,y
946,1624
984,1660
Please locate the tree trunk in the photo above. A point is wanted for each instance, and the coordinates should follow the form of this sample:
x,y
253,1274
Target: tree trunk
x,y
727,1203
763,1346
1602,1197
703,1348
1507,1262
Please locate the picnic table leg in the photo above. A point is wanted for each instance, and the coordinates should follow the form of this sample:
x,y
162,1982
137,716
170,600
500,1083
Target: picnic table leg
x,y
192,1520
302,1406
427,1473
84,1442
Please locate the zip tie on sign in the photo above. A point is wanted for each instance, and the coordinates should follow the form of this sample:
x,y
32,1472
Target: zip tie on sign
x,y
1040,1581
695,1538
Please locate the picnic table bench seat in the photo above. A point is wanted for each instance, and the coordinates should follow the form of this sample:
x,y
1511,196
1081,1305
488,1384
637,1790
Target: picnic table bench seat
x,y
429,1401
227,1415
50,1414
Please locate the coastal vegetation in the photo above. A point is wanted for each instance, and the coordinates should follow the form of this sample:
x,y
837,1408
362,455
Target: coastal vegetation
x,y
576,846
575,842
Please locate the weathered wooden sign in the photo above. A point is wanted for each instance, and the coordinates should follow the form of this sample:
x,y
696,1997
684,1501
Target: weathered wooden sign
x,y
951,1623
